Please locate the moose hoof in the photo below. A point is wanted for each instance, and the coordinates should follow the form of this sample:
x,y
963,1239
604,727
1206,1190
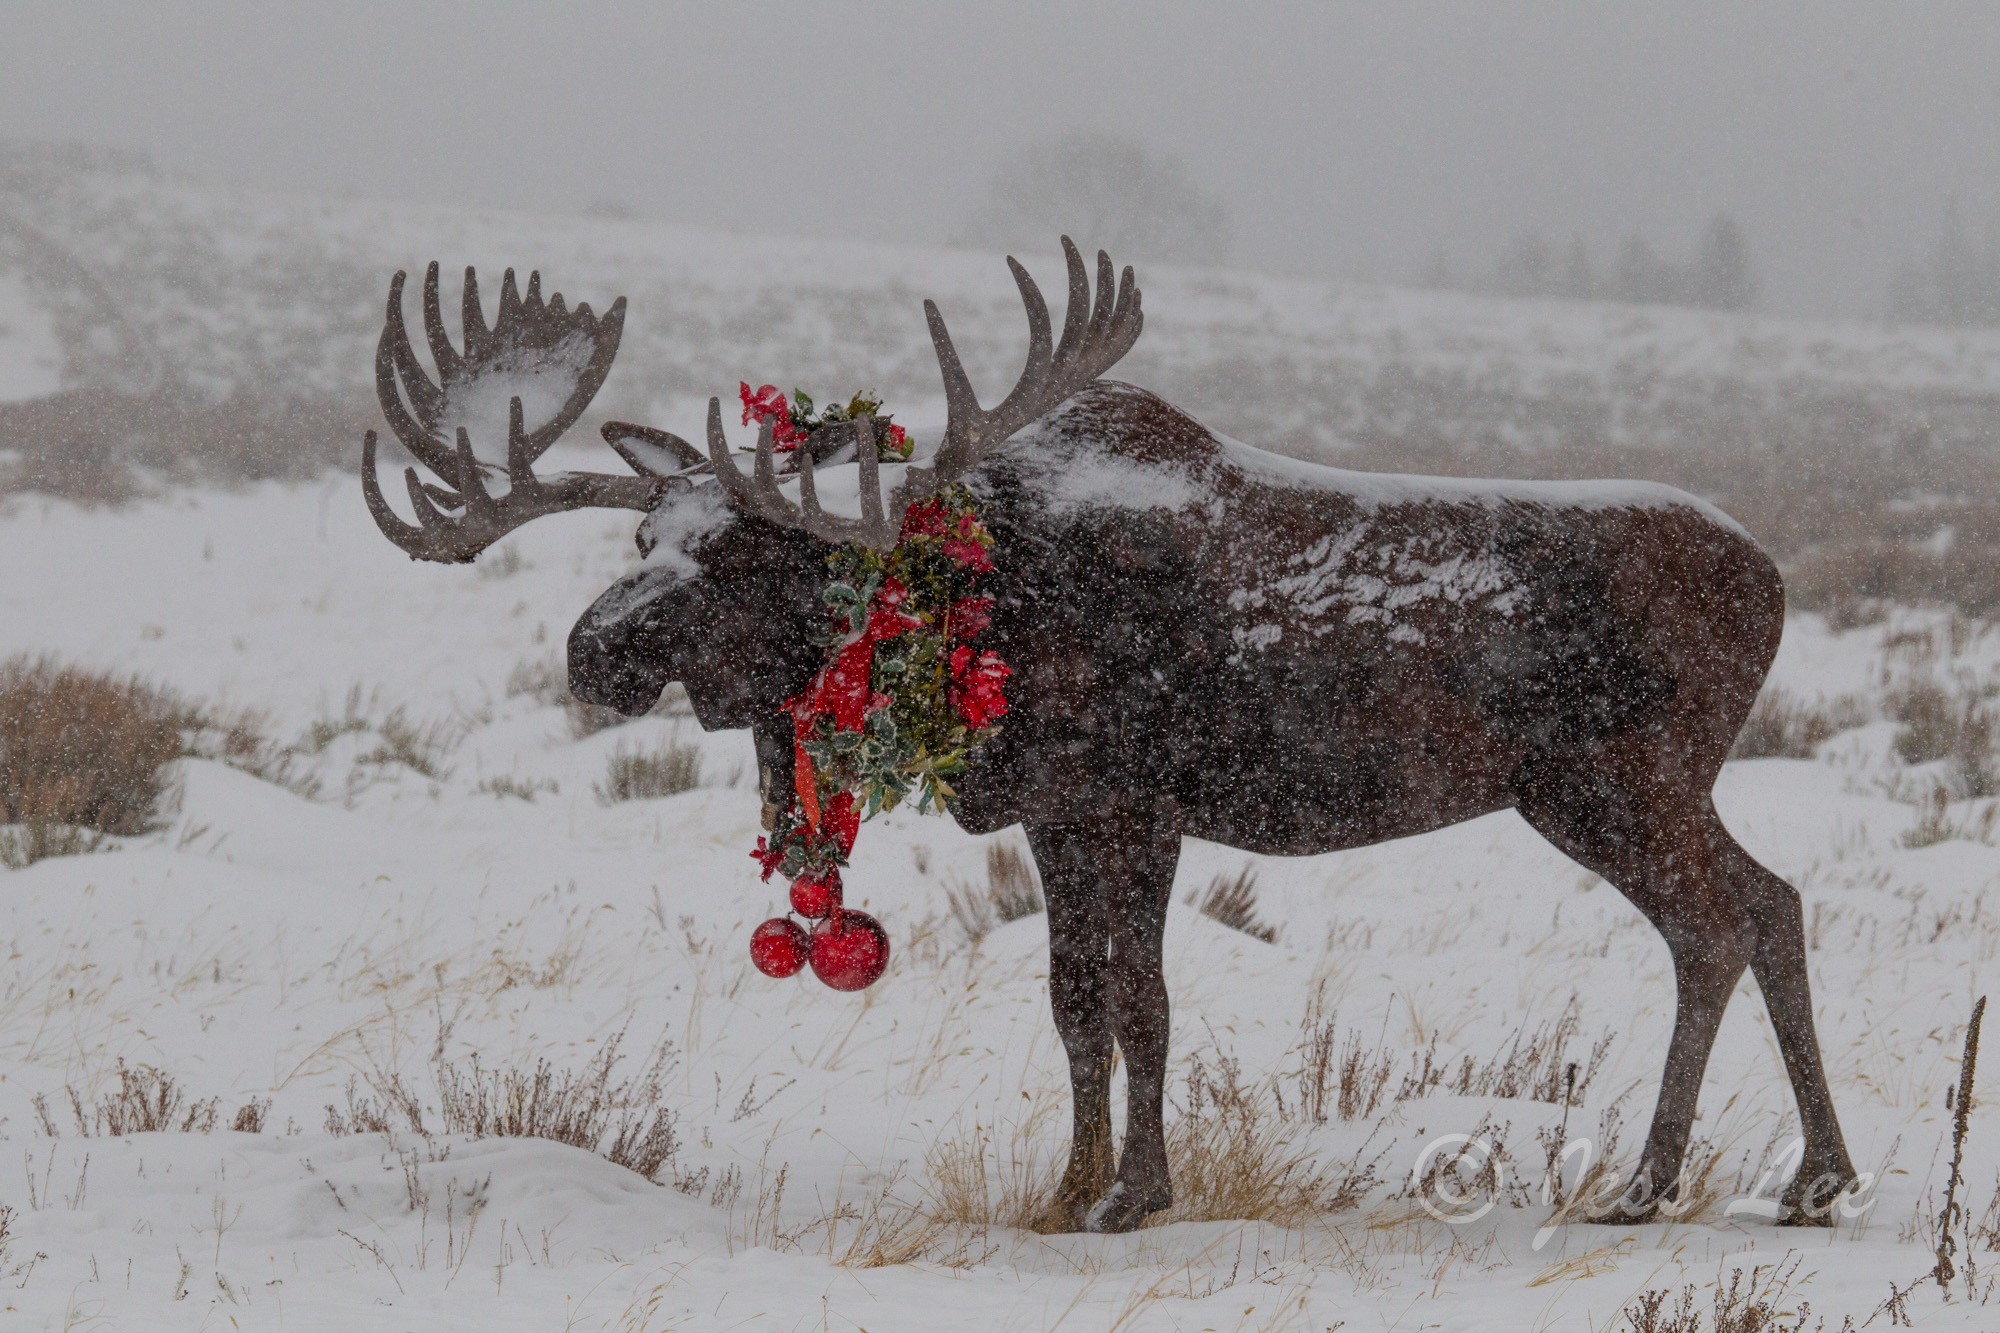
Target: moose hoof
x,y
1811,1199
1121,1209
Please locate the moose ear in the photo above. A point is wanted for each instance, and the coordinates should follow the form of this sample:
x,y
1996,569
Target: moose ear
x,y
651,452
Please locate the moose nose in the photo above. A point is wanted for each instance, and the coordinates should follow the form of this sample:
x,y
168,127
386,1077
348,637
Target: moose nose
x,y
620,650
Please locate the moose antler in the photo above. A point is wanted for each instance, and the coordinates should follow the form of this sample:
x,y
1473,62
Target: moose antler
x,y
531,346
1094,337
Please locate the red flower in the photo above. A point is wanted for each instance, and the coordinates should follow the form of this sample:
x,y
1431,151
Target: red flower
x,y
768,857
896,437
969,553
763,404
925,520
886,617
842,689
767,404
977,685
970,615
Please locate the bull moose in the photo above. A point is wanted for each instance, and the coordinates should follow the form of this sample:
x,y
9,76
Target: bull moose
x,y
1208,641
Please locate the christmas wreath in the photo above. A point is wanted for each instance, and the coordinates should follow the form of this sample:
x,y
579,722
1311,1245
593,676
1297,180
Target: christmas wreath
x,y
894,714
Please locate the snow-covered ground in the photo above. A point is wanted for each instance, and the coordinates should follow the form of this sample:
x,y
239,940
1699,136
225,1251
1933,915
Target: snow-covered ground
x,y
266,945
367,926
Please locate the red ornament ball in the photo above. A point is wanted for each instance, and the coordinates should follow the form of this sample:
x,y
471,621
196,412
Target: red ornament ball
x,y
814,898
779,947
850,950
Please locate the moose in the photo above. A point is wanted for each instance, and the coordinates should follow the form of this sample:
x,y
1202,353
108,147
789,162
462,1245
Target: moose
x,y
1208,640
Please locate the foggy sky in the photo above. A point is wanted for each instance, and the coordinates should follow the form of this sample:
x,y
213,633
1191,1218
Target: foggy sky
x,y
1348,141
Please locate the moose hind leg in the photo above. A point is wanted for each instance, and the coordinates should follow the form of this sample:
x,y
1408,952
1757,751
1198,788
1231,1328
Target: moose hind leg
x,y
1780,967
1660,858
1079,955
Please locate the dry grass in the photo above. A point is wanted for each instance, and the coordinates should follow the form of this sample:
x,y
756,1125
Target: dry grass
x,y
1935,824
521,789
419,745
1238,1152
24,844
623,1120
1012,891
84,754
1242,1151
1783,726
83,749
632,774
1937,724
148,1100
1232,900
1344,1077
977,1181
1855,579
1752,1300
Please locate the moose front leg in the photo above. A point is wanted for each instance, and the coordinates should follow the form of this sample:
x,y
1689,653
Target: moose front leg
x,y
1138,882
1079,951
1107,890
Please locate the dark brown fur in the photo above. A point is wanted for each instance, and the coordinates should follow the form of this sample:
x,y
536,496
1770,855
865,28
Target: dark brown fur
x,y
1214,643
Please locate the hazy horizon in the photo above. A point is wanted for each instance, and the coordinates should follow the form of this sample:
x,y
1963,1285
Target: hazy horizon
x,y
1345,141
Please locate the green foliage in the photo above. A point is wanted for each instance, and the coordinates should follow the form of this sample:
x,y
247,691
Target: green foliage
x,y
910,749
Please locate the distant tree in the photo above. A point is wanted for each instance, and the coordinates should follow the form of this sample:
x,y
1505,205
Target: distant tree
x,y
1956,283
1437,272
1526,267
1641,277
1579,283
1721,276
1107,192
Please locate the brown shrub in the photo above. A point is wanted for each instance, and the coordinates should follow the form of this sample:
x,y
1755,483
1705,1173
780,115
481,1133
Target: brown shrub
x,y
1938,725
1783,726
146,1101
1012,891
1930,719
1756,1300
1867,571
624,1121
83,755
83,749
1344,1077
1236,1156
647,775
1232,900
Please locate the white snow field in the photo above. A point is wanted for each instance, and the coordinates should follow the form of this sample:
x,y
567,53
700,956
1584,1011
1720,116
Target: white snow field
x,y
368,929
264,945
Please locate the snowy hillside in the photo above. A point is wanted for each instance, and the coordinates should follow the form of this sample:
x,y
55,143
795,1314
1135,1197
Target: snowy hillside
x,y
380,935
234,291
350,947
